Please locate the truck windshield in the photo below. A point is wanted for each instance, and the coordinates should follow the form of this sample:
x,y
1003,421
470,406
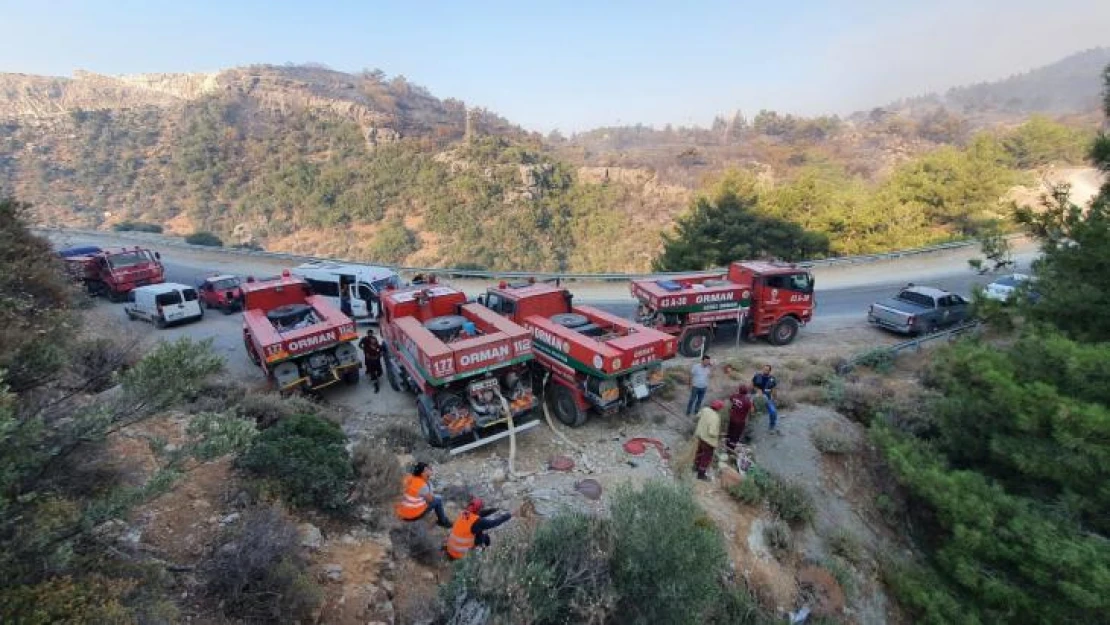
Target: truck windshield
x,y
128,259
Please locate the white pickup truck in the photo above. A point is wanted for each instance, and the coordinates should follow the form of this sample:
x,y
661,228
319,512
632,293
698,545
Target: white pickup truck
x,y
919,310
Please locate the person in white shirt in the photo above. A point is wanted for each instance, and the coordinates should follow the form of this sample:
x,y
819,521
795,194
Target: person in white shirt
x,y
699,382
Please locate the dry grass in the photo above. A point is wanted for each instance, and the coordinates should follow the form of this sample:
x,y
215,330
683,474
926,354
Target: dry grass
x,y
378,474
829,438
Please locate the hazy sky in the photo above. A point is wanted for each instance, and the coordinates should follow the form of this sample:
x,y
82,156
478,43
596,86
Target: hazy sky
x,y
573,65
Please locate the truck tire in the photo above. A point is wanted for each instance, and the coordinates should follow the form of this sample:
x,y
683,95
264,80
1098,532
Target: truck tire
x,y
160,322
566,409
426,412
783,332
350,378
390,374
694,342
446,327
569,320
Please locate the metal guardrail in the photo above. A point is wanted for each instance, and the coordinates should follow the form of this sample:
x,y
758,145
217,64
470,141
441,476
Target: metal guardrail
x,y
914,343
167,241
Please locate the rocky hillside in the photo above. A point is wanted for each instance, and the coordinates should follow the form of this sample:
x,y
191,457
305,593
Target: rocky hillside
x,y
312,160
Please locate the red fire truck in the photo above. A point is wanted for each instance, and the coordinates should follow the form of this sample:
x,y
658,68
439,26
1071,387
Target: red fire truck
x,y
768,299
592,359
301,341
468,367
116,272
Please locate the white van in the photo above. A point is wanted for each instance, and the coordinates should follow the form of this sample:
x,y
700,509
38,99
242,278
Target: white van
x,y
363,284
163,304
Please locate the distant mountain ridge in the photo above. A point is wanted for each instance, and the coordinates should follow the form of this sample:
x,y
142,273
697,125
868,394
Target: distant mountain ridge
x,y
1067,87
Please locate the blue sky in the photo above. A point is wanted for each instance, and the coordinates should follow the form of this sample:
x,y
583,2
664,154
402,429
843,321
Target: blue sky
x,y
575,65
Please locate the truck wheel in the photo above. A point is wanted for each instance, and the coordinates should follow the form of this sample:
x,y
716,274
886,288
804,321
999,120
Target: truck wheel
x,y
350,378
694,342
114,297
160,323
228,309
426,412
783,332
390,374
566,409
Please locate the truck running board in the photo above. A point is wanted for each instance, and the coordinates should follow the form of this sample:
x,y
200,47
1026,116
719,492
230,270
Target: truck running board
x,y
496,437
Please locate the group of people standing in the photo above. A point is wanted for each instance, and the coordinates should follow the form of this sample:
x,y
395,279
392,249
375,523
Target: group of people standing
x,y
708,429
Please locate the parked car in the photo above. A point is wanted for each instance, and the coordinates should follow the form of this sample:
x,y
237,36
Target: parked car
x,y
1004,288
919,310
163,304
222,292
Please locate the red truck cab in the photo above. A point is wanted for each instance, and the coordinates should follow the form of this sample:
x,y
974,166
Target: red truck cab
x,y
116,272
761,299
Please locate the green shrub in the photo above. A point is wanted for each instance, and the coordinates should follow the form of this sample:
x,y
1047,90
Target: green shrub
x,y
829,439
778,537
307,458
842,573
737,606
879,359
137,226
257,572
665,562
204,238
844,544
558,573
90,600
266,409
791,501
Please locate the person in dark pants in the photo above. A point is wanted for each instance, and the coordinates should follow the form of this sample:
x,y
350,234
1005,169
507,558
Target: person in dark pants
x,y
417,497
699,382
708,435
372,355
470,529
740,406
765,383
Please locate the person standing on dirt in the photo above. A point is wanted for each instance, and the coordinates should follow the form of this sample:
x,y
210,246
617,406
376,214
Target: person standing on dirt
x,y
708,434
470,529
372,355
699,383
418,498
740,406
765,383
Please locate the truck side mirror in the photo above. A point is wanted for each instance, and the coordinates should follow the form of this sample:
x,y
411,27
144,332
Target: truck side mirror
x,y
481,299
158,256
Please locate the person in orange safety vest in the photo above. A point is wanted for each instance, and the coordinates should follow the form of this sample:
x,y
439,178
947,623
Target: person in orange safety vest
x,y
471,527
417,497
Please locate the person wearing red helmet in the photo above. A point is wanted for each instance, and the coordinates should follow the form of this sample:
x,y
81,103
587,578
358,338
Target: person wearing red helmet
x,y
740,406
708,434
470,528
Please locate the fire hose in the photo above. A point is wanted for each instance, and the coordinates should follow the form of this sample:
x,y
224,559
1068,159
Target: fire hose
x,y
551,424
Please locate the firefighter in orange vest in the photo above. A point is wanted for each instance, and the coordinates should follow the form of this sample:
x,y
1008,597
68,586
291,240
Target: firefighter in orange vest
x,y
471,527
418,497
